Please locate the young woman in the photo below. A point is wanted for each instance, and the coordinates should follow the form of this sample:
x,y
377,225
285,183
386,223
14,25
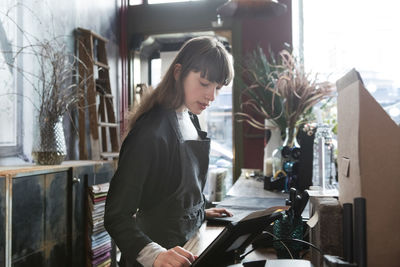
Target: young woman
x,y
155,202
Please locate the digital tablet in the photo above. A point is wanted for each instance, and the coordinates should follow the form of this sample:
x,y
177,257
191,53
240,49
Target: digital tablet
x,y
235,237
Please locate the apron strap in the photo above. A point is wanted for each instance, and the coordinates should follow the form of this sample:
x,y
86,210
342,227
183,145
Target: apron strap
x,y
195,121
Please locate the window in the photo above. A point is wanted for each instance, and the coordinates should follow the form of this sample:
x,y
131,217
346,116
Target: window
x,y
155,65
217,121
340,35
168,1
140,2
135,2
8,78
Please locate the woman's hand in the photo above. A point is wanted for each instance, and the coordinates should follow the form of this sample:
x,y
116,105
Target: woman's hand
x,y
174,257
217,212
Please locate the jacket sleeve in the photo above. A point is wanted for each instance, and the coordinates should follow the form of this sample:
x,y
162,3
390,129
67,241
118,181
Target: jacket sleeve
x,y
139,157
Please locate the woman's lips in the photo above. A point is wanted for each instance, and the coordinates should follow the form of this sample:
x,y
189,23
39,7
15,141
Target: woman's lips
x,y
203,106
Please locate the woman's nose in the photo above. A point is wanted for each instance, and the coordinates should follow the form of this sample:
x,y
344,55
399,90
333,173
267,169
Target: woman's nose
x,y
211,94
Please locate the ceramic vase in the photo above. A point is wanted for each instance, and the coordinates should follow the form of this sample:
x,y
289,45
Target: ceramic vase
x,y
49,143
274,142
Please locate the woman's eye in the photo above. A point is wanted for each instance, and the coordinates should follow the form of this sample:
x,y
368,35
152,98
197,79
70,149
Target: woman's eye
x,y
204,84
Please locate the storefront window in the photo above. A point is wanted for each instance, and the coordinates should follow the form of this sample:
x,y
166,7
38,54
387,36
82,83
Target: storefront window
x,y
334,36
168,1
8,75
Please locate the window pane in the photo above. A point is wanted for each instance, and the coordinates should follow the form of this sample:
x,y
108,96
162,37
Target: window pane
x,y
155,72
218,124
341,34
8,97
168,1
135,2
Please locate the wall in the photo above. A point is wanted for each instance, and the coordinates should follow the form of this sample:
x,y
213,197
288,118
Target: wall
x,y
269,32
44,19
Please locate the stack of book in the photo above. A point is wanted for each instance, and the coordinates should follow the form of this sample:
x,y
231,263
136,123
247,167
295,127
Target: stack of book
x,y
98,242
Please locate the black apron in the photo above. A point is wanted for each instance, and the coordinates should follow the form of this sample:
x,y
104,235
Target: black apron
x,y
174,221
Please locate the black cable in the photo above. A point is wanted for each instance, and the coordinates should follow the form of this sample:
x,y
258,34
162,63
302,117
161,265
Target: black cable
x,y
285,240
274,236
306,234
302,241
305,253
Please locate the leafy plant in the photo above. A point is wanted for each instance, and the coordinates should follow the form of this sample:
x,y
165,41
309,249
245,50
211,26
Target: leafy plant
x,y
280,91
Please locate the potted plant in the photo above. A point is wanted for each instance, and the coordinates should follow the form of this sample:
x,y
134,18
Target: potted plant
x,y
57,91
49,71
281,92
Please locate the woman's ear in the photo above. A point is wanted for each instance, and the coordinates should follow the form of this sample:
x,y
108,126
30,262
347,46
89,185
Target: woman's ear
x,y
177,71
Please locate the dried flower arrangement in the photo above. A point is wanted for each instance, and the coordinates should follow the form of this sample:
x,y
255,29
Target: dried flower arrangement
x,y
280,91
54,82
58,91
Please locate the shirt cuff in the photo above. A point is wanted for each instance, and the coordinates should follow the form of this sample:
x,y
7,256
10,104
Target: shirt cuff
x,y
149,253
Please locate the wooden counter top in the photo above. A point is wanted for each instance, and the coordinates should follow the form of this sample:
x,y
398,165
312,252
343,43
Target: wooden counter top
x,y
21,170
244,186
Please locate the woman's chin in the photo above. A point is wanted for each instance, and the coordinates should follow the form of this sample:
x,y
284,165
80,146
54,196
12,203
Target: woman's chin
x,y
197,112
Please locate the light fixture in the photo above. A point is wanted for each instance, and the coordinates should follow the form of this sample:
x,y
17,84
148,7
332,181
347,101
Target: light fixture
x,y
217,23
251,8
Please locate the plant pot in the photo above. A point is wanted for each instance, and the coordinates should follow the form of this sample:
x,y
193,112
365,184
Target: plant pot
x,y
274,142
49,143
288,147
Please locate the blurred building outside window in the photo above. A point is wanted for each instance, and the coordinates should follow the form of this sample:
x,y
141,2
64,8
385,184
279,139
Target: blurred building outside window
x,y
333,36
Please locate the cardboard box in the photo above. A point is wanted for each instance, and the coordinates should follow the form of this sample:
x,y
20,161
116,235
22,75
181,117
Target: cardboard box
x,y
369,167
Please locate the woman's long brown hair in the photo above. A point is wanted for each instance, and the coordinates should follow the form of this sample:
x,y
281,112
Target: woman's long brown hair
x,y
201,54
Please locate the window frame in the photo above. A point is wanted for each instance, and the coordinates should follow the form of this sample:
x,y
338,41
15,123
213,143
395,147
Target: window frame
x,y
17,149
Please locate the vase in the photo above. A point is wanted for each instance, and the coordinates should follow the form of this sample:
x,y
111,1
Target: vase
x,y
285,160
49,143
291,137
289,148
274,142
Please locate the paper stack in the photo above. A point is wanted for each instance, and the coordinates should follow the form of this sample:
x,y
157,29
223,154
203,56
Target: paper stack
x,y
99,241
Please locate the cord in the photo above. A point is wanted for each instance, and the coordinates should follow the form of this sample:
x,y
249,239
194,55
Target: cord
x,y
301,241
286,240
276,238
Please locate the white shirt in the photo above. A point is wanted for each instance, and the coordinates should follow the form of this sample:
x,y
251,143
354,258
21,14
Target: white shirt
x,y
149,253
186,125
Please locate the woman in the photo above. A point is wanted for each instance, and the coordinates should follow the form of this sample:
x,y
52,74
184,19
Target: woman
x,y
155,202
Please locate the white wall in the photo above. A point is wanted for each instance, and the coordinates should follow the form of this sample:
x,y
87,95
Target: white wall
x,y
44,19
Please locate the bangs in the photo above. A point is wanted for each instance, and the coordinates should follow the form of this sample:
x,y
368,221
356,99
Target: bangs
x,y
213,66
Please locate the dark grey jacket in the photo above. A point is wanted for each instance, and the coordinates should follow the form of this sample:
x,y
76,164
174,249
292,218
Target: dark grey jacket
x,y
149,164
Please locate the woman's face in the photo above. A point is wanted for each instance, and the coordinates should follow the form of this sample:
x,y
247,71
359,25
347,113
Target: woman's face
x,y
199,92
